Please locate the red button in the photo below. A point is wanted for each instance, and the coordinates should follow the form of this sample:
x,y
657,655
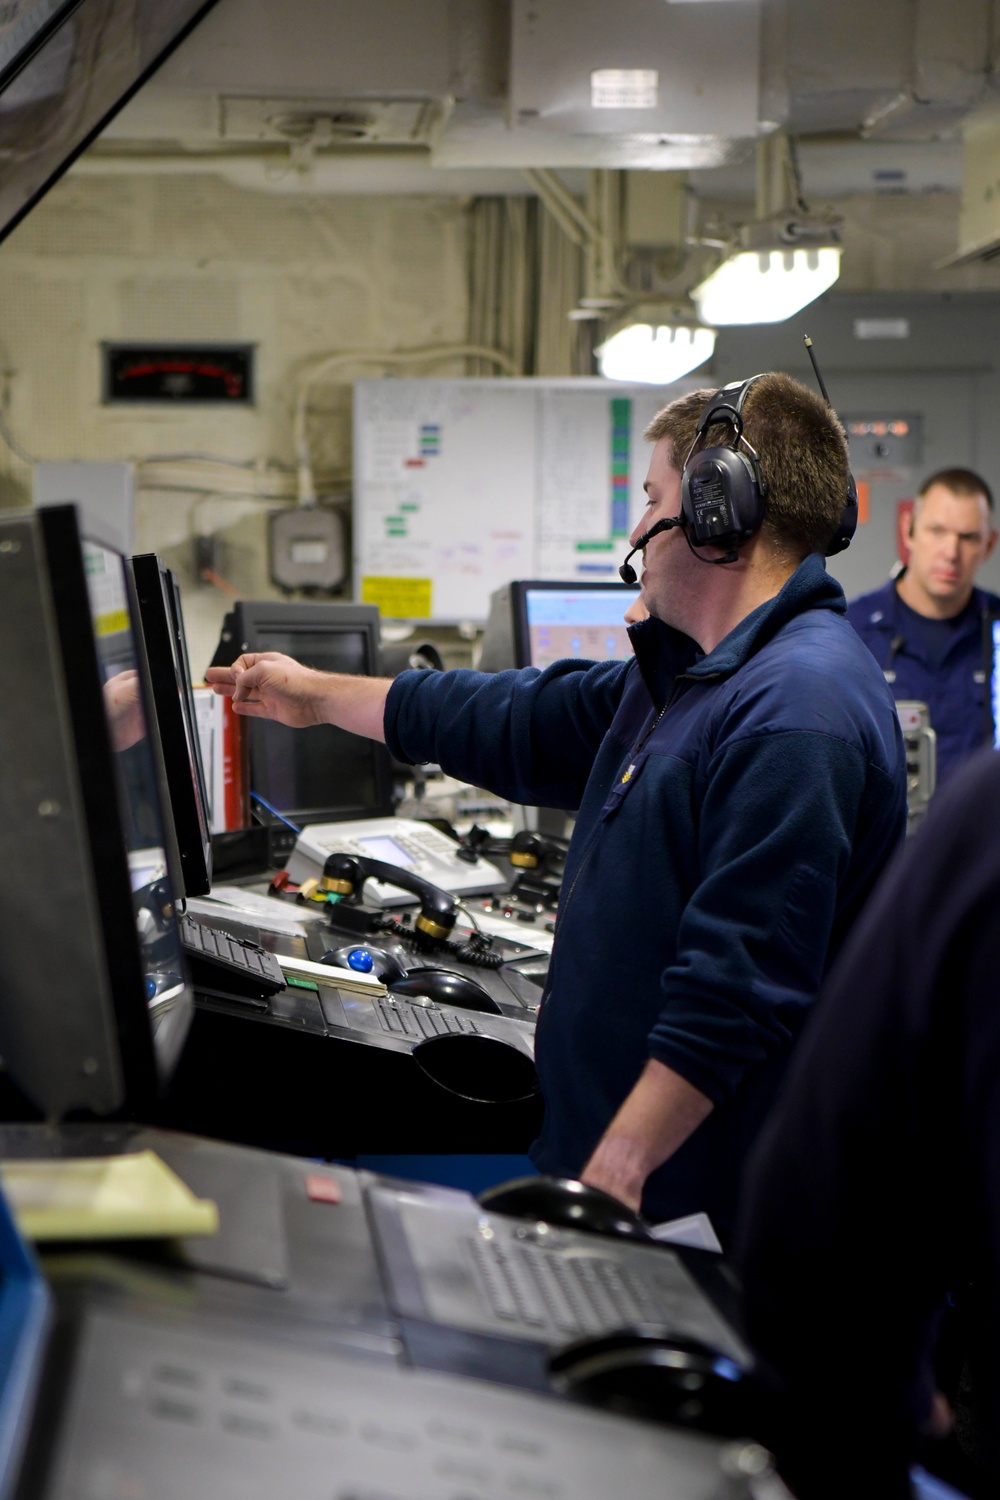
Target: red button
x,y
321,1189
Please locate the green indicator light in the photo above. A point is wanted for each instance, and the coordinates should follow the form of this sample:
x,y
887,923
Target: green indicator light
x,y
595,546
396,531
409,507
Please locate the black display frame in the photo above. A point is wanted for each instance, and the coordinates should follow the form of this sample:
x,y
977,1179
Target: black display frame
x,y
71,126
520,589
172,700
252,626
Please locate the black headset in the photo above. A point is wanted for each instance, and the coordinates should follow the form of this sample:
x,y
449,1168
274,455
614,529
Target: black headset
x,y
723,496
722,492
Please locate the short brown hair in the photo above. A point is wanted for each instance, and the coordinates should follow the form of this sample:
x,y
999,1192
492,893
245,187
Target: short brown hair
x,y
802,449
965,482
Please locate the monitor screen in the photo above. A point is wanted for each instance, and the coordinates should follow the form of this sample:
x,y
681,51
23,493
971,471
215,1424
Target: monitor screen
x,y
322,774
66,68
566,620
991,644
158,610
535,622
94,1005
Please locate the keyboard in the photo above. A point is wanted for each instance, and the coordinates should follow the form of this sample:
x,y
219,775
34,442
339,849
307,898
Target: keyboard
x,y
229,966
419,1022
576,1294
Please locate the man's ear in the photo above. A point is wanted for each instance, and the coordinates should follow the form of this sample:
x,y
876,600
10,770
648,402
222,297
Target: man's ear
x,y
991,542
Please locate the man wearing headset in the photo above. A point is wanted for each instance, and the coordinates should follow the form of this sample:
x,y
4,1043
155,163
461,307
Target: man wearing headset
x,y
739,784
925,627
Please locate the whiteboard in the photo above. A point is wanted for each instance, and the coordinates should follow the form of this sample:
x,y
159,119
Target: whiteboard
x,y
463,485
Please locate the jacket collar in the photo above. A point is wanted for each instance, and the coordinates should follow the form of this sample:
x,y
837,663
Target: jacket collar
x,y
663,653
893,614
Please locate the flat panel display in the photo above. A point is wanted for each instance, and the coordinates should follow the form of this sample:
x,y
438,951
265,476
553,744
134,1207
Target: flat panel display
x,y
569,621
65,71
991,647
321,774
94,1005
159,614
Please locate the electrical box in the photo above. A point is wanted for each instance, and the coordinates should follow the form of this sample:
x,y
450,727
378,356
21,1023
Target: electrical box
x,y
307,548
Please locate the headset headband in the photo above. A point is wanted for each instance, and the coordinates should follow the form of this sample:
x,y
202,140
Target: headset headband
x,y
731,409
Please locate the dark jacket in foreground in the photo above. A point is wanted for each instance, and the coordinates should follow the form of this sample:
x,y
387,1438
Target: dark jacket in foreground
x,y
721,852
875,1187
955,691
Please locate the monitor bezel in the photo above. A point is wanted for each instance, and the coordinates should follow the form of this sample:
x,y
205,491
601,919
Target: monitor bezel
x,y
520,589
171,693
77,1031
991,666
49,37
251,619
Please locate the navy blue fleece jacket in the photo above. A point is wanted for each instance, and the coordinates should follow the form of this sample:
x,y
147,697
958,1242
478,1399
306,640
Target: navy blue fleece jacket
x,y
954,689
733,812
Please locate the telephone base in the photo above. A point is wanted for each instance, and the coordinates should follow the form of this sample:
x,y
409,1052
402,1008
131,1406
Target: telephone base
x,y
414,846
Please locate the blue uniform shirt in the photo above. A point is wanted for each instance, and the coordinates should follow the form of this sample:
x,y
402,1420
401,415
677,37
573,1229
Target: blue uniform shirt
x,y
954,687
734,811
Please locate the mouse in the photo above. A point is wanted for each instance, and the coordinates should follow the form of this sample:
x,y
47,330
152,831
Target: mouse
x,y
447,988
365,958
649,1372
569,1204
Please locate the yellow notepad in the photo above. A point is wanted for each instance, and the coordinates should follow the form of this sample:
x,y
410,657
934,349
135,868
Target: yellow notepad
x,y
107,1197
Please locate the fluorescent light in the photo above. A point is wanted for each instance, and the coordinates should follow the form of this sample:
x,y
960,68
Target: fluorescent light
x,y
654,354
766,286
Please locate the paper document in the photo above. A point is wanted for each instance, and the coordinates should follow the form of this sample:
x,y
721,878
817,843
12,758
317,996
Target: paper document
x,y
107,1197
695,1230
345,979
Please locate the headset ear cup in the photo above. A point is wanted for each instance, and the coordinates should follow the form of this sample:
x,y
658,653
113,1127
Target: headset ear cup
x,y
848,525
721,497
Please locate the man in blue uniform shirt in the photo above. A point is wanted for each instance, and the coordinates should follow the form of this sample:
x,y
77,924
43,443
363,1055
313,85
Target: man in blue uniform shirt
x,y
739,784
925,628
873,1195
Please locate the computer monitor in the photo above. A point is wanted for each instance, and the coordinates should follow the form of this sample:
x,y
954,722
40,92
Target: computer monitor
x,y
991,666
322,774
533,623
66,69
158,612
94,1004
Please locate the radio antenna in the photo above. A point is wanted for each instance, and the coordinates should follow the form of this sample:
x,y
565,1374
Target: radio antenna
x,y
819,379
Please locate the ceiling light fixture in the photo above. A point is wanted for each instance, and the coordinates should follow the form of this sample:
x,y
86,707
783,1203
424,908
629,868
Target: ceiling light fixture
x,y
766,285
654,348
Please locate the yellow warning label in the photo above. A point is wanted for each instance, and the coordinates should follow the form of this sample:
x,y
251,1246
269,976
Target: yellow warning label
x,y
112,622
399,598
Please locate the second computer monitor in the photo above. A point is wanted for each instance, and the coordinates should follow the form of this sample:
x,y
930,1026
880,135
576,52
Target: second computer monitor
x,y
158,608
535,622
322,774
94,1004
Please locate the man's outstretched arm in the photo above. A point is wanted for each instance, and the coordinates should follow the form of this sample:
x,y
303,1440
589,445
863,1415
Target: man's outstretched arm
x,y
654,1121
268,685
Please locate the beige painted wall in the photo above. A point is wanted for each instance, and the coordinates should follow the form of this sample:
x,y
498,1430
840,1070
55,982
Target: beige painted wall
x,y
191,257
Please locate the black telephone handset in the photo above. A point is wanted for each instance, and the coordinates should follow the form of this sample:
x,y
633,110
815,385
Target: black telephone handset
x,y
345,875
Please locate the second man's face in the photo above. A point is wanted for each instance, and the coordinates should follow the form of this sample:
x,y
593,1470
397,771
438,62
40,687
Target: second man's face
x,y
952,535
